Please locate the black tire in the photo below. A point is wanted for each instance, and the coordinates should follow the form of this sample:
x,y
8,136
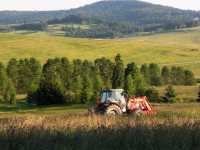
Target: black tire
x,y
113,110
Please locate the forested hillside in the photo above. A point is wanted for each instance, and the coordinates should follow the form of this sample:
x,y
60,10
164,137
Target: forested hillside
x,y
111,18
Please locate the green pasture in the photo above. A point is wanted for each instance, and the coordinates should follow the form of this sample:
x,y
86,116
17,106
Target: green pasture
x,y
186,104
176,48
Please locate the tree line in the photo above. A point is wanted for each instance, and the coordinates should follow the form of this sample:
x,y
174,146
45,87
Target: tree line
x,y
80,81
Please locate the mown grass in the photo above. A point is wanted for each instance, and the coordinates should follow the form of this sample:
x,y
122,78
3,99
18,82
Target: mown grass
x,y
176,48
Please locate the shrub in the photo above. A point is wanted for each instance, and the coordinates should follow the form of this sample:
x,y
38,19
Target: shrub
x,y
152,95
48,93
170,95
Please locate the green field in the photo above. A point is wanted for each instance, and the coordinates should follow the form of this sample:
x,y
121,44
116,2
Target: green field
x,y
186,98
175,48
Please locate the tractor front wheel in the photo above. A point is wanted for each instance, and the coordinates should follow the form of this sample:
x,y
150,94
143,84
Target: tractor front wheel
x,y
113,110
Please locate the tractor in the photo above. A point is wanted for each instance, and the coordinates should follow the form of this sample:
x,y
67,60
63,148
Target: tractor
x,y
117,102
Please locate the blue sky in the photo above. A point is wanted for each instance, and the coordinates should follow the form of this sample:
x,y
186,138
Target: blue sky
x,y
67,4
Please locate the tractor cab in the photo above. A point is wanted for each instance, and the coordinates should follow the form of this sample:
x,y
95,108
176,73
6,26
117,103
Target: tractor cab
x,y
114,96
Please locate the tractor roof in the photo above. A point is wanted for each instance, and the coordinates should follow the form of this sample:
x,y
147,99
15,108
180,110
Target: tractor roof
x,y
113,90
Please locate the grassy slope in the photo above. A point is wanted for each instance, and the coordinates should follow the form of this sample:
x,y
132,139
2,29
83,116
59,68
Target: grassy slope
x,y
184,93
181,48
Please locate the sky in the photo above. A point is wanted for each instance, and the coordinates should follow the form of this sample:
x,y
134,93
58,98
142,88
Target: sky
x,y
67,4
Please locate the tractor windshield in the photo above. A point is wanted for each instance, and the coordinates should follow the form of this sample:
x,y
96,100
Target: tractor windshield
x,y
111,96
105,95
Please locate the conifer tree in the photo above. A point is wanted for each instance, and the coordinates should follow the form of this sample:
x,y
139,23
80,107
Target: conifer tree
x,y
165,75
140,85
76,88
12,70
155,75
189,78
105,67
144,70
130,87
87,89
97,82
118,73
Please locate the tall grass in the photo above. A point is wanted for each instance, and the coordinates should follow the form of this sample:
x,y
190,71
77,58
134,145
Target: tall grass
x,y
83,132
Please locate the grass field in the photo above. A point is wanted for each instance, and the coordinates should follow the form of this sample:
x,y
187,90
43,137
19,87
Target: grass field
x,y
175,127
176,48
185,95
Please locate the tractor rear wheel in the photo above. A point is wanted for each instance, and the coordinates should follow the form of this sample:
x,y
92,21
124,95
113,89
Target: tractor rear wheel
x,y
113,110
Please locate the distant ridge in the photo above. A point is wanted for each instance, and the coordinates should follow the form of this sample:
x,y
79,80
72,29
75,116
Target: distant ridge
x,y
114,15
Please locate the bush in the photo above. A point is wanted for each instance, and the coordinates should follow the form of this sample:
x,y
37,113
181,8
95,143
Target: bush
x,y
152,95
170,95
48,93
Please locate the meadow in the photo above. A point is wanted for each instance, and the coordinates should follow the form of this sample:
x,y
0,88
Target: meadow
x,y
59,127
179,48
175,127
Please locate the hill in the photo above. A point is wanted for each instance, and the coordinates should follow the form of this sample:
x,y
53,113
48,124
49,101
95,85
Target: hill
x,y
175,48
110,18
136,12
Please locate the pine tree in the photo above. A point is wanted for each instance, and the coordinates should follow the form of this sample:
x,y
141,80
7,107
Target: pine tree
x,y
76,88
177,75
35,74
66,72
180,76
97,82
130,87
49,92
131,69
12,70
87,89
140,85
189,78
144,70
118,73
155,75
165,75
105,67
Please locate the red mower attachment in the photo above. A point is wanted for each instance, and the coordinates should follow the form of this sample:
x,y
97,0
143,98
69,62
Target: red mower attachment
x,y
140,104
